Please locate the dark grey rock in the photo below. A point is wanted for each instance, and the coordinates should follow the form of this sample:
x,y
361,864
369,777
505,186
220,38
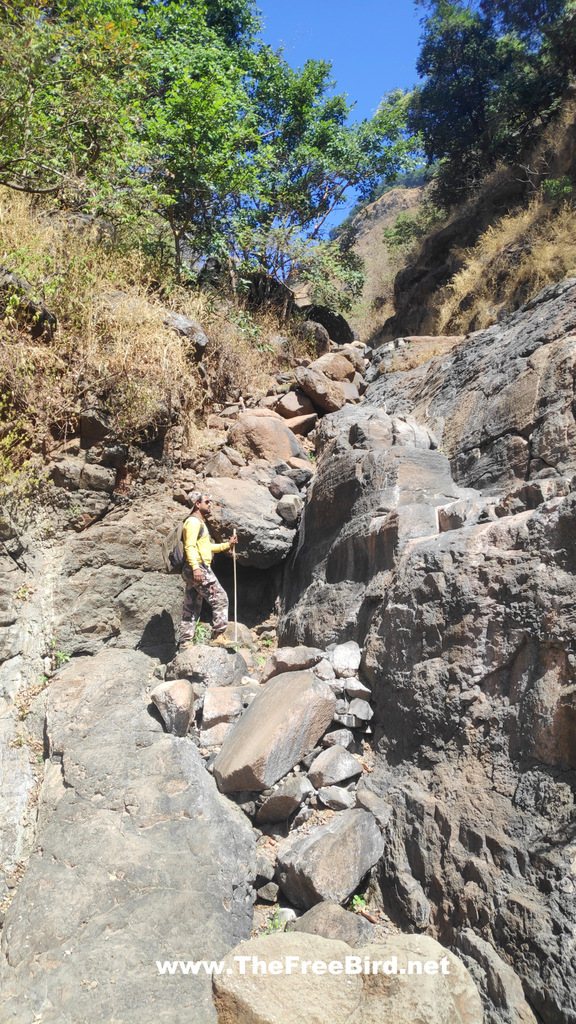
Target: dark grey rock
x,y
502,988
333,922
264,539
95,424
338,328
282,485
331,861
280,726
337,798
281,802
188,329
213,666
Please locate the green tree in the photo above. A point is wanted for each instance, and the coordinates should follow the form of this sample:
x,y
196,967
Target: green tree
x,y
196,127
67,74
491,81
310,161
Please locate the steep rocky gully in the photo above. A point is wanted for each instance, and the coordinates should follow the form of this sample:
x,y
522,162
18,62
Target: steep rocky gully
x,y
412,738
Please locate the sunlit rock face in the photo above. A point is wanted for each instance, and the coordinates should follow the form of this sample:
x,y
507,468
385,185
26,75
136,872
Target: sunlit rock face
x,y
439,534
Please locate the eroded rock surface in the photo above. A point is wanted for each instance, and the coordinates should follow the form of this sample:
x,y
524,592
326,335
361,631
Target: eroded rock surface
x,y
138,859
464,605
500,402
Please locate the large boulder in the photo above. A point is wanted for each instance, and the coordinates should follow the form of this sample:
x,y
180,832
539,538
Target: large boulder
x,y
113,588
338,328
264,539
153,862
335,366
326,394
267,437
212,666
281,725
408,978
331,860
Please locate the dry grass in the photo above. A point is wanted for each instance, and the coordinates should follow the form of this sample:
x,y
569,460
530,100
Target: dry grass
x,y
111,347
514,259
416,353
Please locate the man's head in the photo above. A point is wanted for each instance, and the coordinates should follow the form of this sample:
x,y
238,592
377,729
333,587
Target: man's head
x,y
200,502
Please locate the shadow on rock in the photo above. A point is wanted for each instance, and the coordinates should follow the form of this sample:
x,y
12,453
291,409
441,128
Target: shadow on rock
x,y
159,638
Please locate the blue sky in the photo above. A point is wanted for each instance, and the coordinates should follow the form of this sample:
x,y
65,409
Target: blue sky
x,y
373,44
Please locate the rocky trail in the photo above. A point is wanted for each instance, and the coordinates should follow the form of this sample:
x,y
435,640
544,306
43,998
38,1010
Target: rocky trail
x,y
393,733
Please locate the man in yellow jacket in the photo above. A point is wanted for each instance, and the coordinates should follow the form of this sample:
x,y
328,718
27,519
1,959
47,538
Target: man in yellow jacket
x,y
201,583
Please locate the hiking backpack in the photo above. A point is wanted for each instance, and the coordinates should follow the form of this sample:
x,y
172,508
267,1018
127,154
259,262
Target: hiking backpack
x,y
173,549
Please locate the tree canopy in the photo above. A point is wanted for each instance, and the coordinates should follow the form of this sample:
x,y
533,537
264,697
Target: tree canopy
x,y
177,110
494,72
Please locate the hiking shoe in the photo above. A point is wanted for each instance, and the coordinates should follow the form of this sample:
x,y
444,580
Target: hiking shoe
x,y
220,640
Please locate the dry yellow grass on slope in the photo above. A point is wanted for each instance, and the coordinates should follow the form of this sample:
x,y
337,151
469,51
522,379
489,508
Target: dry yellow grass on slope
x,y
111,345
512,261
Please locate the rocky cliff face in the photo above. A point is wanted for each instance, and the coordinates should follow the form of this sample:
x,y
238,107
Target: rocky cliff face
x,y
439,534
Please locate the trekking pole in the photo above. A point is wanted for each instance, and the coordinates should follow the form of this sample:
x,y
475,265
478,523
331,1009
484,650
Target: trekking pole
x,y
235,593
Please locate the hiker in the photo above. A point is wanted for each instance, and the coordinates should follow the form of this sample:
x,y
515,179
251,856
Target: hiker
x,y
201,583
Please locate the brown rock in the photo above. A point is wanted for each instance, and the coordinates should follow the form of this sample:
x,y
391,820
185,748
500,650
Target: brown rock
x,y
262,412
294,403
215,422
302,424
355,357
281,725
265,434
174,701
335,366
221,704
296,463
418,989
325,393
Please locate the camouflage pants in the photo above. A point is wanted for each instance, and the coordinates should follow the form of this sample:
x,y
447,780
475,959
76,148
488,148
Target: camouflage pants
x,y
209,590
